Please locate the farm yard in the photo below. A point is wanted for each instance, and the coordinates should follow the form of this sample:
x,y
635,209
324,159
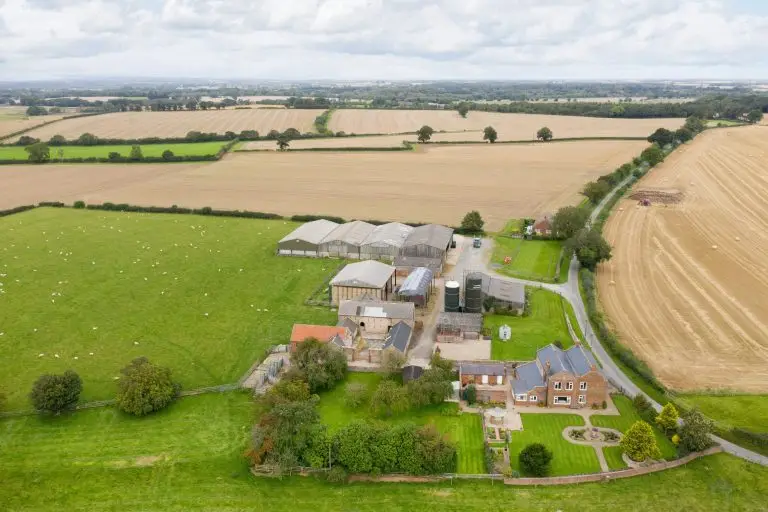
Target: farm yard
x,y
91,290
687,287
509,126
509,180
147,150
133,125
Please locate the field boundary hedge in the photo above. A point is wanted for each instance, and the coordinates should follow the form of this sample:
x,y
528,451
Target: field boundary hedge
x,y
46,123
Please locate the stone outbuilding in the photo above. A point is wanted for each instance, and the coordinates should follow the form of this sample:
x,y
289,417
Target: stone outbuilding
x,y
489,379
376,317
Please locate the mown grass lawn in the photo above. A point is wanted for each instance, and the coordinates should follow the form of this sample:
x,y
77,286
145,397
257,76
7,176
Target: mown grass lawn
x,y
466,430
203,295
744,411
183,149
544,325
613,457
531,259
629,415
569,458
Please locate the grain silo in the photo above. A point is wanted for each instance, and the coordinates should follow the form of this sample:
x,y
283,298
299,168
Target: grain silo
x,y
473,293
451,296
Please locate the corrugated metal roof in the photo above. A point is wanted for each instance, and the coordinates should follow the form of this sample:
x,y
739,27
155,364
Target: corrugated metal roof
x,y
433,264
396,310
398,337
364,274
433,235
312,232
417,282
392,234
353,233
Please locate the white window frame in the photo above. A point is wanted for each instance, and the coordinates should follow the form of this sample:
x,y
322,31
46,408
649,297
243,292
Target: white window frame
x,y
533,398
499,380
521,398
485,379
558,385
567,400
582,386
582,399
569,386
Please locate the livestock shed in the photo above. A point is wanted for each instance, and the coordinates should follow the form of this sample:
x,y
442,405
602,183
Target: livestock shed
x,y
385,241
305,239
370,278
502,294
428,241
455,327
417,287
407,264
346,239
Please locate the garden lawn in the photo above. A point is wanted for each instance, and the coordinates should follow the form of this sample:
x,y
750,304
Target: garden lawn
x,y
613,457
466,430
629,416
531,259
156,150
544,325
205,296
743,411
568,458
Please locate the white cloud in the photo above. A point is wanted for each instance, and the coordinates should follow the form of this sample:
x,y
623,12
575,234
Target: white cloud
x,y
381,39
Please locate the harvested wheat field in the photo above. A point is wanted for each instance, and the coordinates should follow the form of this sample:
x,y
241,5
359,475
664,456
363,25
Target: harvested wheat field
x,y
14,119
374,141
687,288
508,126
134,125
439,184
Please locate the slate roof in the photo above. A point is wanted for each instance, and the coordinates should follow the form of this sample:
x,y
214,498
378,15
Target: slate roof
x,y
482,369
576,360
398,337
312,232
348,324
528,376
433,235
364,274
395,310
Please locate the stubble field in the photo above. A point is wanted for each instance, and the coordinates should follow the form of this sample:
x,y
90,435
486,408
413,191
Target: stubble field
x,y
133,125
687,288
14,119
508,126
439,184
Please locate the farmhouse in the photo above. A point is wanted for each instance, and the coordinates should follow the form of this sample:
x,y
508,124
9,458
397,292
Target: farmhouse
x,y
560,378
417,287
305,240
385,241
489,380
375,317
543,225
456,327
428,241
370,278
322,333
346,239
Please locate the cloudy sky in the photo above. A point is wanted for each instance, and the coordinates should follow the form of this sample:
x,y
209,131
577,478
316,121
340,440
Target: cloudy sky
x,y
384,39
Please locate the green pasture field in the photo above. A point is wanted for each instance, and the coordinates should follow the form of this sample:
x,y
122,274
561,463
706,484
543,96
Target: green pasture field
x,y
204,296
743,411
531,259
543,326
466,430
155,150
629,416
568,458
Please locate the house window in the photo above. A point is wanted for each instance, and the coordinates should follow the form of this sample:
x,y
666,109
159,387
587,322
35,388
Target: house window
x,y
582,399
569,386
499,380
521,397
558,385
583,386
533,398
562,400
485,379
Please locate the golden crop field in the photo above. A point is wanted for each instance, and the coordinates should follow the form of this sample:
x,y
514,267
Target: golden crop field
x,y
373,141
14,119
439,184
134,125
508,126
687,287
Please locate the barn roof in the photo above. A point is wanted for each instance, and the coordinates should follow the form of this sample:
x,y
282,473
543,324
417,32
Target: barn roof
x,y
433,264
352,233
364,274
433,235
417,282
395,310
392,234
312,232
470,322
506,291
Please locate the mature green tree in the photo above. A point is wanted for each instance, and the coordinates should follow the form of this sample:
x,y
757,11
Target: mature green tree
x,y
662,137
472,222
489,134
355,394
695,431
114,156
249,134
596,190
168,155
26,140
695,124
38,152
35,110
57,140
535,459
389,398
273,134
136,153
641,403
653,155
283,143
544,134
192,104
639,443
353,445
683,134
463,109
667,418
436,453
755,116
145,387
292,133
287,390
88,139
568,221
424,133
392,363
590,248
432,388
56,393
470,394
320,364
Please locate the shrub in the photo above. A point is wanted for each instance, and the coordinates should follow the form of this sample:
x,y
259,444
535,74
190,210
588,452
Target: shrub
x,y
145,388
604,405
639,443
470,394
667,418
695,431
389,398
321,365
56,393
641,403
337,475
167,155
79,205
535,459
354,394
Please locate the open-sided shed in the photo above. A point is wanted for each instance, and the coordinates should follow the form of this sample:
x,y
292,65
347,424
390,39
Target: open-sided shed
x,y
305,239
417,287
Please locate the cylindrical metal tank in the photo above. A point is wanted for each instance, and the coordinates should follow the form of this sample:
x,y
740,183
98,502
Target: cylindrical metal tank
x,y
473,294
451,296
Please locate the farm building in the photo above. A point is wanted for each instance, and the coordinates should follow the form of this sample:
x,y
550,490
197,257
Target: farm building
x,y
501,294
407,264
455,327
305,239
543,225
428,241
346,239
375,317
398,338
417,287
385,241
411,372
322,333
371,278
489,380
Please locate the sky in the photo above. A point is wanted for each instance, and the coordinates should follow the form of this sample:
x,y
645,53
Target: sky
x,y
384,39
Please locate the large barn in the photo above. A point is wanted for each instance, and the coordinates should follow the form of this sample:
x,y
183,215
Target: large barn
x,y
371,278
345,241
428,241
385,241
305,240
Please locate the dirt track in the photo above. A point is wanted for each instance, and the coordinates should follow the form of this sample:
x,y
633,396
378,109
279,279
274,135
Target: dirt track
x,y
698,315
439,184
